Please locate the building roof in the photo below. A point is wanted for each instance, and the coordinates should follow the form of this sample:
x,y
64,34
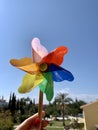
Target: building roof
x,y
89,104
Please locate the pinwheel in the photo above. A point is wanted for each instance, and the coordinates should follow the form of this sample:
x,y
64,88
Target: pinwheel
x,y
42,69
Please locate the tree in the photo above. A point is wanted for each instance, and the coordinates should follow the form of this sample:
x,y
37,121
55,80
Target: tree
x,y
6,121
74,107
12,103
63,100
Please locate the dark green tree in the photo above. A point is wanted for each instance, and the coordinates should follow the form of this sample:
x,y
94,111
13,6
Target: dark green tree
x,y
74,107
13,108
12,103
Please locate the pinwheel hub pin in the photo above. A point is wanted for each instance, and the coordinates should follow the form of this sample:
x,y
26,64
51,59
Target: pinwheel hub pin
x,y
43,67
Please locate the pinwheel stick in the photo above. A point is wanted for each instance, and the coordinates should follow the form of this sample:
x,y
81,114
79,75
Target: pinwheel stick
x,y
40,107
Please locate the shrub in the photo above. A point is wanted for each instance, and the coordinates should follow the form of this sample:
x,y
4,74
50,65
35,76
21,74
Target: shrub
x,y
6,122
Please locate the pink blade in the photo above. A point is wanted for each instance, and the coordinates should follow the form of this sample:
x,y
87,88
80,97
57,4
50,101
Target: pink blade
x,y
39,51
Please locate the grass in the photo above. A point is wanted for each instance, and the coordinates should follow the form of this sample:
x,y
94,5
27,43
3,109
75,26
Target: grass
x,y
58,125
55,125
53,128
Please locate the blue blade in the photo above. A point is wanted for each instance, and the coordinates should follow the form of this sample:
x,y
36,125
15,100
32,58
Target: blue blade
x,y
59,74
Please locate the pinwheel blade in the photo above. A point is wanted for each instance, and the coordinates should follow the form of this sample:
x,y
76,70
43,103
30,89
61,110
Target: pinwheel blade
x,y
29,82
56,56
47,86
26,65
38,50
59,74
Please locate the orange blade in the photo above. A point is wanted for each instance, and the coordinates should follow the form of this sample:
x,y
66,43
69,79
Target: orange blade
x,y
25,64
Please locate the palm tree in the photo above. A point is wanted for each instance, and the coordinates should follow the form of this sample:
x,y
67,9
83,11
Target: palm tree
x,y
63,100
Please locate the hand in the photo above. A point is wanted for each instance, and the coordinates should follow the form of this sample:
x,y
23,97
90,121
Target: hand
x,y
32,123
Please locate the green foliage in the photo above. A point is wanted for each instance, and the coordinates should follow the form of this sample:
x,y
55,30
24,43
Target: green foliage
x,y
12,104
21,109
74,107
6,122
61,106
62,100
51,110
50,128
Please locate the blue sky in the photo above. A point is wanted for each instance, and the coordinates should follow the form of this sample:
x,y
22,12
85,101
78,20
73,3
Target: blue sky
x,y
72,23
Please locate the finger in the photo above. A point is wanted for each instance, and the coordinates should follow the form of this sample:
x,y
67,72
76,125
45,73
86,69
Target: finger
x,y
44,123
32,118
28,123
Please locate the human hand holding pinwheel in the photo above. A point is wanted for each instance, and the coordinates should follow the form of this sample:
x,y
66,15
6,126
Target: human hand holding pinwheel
x,y
42,69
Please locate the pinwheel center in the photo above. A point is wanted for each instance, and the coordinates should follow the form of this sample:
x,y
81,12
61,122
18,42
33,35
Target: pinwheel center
x,y
43,67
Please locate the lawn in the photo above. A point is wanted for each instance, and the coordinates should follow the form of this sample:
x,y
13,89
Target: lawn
x,y
58,125
55,125
53,128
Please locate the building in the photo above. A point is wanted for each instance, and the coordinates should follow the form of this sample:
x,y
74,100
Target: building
x,y
90,112
3,102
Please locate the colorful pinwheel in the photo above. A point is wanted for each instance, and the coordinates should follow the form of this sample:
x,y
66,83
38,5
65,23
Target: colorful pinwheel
x,y
42,69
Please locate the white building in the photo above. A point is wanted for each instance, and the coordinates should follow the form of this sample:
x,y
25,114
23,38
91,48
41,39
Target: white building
x,y
3,102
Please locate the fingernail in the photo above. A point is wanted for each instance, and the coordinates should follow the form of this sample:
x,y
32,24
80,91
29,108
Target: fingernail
x,y
37,122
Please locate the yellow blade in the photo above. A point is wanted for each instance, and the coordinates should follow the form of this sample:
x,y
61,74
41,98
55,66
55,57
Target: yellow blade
x,y
29,82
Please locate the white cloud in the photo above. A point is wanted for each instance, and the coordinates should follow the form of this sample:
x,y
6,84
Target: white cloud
x,y
65,90
84,97
35,95
81,96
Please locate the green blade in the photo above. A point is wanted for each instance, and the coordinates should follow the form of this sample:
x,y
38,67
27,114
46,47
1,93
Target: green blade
x,y
46,85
